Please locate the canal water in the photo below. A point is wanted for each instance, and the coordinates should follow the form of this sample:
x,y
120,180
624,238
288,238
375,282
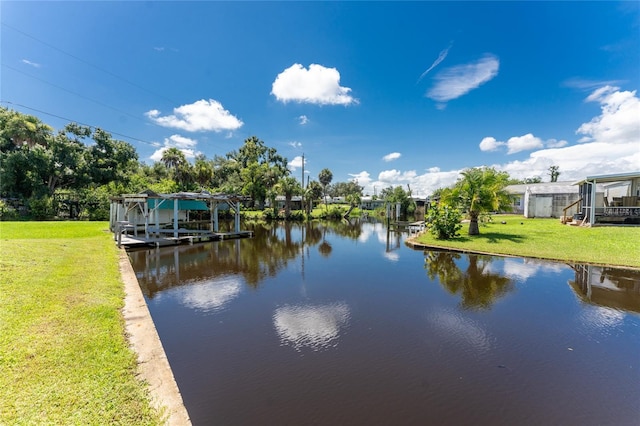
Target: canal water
x,y
341,323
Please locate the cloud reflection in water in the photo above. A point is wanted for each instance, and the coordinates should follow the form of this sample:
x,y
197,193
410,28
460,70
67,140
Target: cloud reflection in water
x,y
210,295
457,329
313,326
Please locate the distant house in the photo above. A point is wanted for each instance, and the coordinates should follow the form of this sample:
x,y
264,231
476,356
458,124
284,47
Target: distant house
x,y
546,199
618,202
295,203
368,203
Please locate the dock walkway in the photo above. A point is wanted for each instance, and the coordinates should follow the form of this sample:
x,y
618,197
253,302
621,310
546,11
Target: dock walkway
x,y
129,241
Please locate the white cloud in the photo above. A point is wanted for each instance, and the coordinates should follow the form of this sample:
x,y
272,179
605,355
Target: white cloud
x,y
582,83
184,144
456,81
518,143
393,177
443,54
523,143
295,144
181,141
316,85
303,120
392,156
490,144
363,178
31,63
554,143
611,144
619,121
199,116
296,163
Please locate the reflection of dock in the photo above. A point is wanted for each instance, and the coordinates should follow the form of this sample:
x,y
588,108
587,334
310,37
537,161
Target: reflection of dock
x,y
190,237
403,226
616,288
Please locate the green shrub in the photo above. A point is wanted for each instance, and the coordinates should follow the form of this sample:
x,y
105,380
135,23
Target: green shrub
x,y
334,212
269,214
296,216
7,212
444,222
41,208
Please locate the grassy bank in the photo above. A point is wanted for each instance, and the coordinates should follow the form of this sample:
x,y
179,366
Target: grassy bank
x,y
549,239
63,353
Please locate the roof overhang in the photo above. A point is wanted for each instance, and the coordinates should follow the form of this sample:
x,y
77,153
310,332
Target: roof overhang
x,y
609,178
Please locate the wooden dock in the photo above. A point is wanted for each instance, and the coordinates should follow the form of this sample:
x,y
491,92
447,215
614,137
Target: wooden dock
x,y
129,241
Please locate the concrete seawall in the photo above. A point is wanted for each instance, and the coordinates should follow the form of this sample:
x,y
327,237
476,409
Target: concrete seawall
x,y
153,365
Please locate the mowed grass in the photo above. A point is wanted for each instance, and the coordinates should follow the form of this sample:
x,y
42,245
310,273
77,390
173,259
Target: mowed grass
x,y
64,356
548,239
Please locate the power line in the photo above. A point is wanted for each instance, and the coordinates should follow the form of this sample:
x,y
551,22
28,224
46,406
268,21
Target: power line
x,y
79,122
89,64
74,93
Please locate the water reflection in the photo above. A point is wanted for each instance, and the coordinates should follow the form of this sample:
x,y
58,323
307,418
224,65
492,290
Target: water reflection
x,y
459,330
313,326
608,287
271,250
371,332
478,285
210,295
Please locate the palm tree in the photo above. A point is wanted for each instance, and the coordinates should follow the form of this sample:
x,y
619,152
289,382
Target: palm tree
x,y
288,186
325,178
173,157
479,190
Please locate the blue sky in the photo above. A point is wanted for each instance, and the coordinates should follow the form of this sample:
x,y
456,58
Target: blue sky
x,y
386,93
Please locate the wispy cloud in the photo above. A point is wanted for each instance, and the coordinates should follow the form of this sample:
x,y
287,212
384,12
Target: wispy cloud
x,y
295,144
443,54
316,85
303,119
199,116
392,156
31,63
587,84
451,83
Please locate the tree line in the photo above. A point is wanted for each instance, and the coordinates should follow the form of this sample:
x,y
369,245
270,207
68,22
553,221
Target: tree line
x,y
44,174
42,171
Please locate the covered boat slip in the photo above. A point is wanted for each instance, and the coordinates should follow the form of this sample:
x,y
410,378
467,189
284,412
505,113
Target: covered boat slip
x,y
163,219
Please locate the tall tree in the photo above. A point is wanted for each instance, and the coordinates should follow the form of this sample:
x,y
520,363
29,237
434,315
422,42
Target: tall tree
x,y
479,190
175,160
325,177
313,192
261,167
203,171
288,186
23,129
554,172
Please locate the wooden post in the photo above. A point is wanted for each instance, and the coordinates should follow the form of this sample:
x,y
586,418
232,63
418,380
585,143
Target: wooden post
x,y
237,217
215,217
175,218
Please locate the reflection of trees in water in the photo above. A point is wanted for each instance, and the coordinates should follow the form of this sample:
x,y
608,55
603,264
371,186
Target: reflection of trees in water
x,y
478,285
272,247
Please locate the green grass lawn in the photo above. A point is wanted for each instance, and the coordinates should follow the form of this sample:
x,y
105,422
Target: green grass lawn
x,y
64,356
549,239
